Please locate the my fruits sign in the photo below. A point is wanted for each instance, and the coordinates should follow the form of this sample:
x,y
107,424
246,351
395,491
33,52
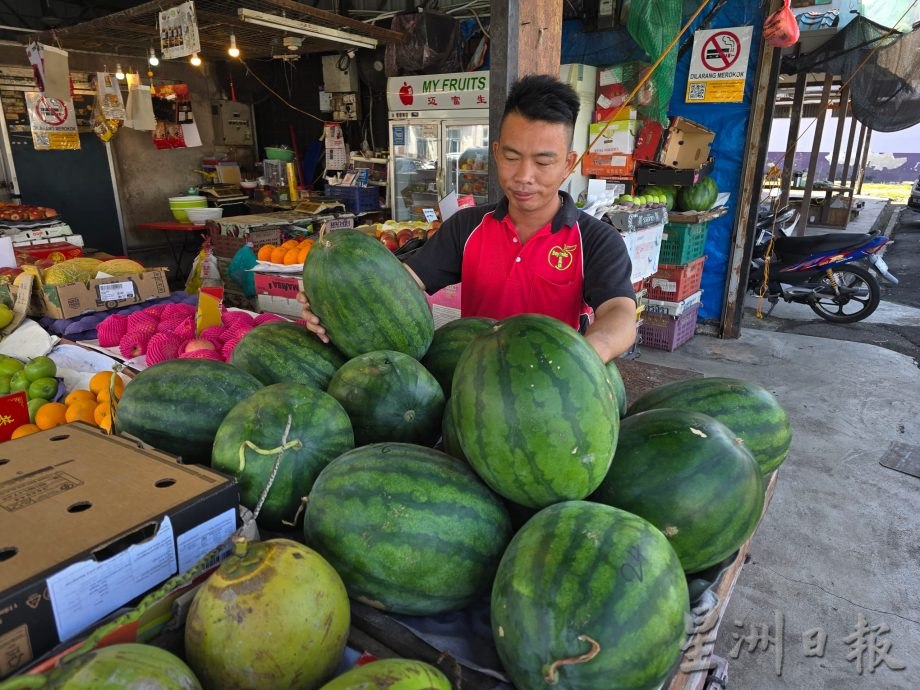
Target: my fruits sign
x,y
439,91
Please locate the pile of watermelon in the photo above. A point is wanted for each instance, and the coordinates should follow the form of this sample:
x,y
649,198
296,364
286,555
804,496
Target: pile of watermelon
x,y
342,441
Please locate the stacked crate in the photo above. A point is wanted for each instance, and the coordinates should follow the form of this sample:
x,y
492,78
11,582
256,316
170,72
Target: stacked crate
x,y
672,302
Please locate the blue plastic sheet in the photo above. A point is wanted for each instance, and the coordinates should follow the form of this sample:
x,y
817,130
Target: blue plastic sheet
x,y
729,121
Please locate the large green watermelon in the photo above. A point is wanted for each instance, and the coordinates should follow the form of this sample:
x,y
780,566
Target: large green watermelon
x,y
749,410
579,574
178,405
409,529
389,397
391,674
318,423
286,352
115,667
698,197
691,477
449,342
534,411
364,296
619,387
449,436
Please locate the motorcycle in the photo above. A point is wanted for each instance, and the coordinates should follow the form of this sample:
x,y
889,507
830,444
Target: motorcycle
x,y
830,273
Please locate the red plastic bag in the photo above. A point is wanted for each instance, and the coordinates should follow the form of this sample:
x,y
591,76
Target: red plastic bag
x,y
781,29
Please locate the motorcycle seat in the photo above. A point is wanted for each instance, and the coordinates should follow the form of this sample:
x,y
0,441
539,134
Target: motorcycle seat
x,y
803,246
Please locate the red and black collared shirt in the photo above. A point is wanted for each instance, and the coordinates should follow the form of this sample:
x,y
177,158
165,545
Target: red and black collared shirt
x,y
573,263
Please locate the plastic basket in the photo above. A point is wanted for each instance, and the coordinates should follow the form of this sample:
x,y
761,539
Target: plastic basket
x,y
356,199
675,283
663,332
682,242
227,245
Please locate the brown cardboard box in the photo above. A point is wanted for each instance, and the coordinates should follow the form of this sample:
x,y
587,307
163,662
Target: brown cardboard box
x,y
277,293
101,294
686,144
90,523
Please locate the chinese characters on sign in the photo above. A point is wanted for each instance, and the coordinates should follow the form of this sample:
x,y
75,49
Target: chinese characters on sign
x,y
179,31
438,92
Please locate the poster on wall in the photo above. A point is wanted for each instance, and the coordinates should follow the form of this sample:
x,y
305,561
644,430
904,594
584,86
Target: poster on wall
x,y
53,122
179,31
718,66
336,155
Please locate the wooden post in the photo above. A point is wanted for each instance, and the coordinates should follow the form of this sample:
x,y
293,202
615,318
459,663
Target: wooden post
x,y
526,39
857,159
815,151
849,154
843,107
865,162
795,121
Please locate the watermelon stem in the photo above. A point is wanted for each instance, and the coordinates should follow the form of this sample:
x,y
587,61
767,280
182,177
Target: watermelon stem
x,y
277,452
551,675
304,500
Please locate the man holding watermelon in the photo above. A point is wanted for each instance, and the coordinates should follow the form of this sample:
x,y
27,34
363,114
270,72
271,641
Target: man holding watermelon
x,y
534,251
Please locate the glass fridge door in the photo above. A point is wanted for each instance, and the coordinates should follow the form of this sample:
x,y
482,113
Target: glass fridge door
x,y
414,150
466,155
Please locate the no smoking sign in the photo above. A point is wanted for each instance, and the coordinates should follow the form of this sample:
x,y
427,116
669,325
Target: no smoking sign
x,y
51,111
718,66
721,51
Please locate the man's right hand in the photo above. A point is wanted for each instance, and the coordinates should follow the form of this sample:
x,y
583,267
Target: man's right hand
x,y
311,319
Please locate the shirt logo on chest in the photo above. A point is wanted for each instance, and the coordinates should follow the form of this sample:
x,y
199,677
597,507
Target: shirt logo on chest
x,y
561,258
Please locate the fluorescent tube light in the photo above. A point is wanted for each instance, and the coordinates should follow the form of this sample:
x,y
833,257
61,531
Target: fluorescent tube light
x,y
273,21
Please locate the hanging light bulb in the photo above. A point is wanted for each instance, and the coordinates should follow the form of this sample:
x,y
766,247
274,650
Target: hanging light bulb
x,y
119,74
233,51
196,61
153,59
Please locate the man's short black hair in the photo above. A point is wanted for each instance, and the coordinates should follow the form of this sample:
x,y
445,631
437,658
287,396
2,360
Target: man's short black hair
x,y
543,98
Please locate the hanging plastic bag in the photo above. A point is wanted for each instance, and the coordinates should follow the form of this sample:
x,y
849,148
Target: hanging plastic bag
x,y
239,271
781,29
205,271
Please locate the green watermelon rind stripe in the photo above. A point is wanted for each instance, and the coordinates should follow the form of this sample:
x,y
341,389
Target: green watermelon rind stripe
x,y
286,352
365,298
531,633
448,344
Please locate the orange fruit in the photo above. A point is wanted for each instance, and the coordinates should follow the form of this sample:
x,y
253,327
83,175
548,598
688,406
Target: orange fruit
x,y
24,430
102,416
302,254
290,256
289,244
100,382
51,415
305,243
265,252
104,397
278,255
81,411
79,394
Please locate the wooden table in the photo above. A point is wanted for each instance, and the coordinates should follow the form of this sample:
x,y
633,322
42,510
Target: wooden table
x,y
169,227
825,207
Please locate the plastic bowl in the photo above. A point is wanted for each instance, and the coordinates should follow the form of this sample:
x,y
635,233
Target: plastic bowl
x,y
187,201
275,154
248,184
199,215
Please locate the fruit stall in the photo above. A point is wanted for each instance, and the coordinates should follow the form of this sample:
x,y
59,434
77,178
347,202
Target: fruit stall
x,y
482,504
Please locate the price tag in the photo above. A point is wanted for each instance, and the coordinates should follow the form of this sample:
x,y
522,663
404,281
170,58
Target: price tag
x,y
430,214
115,292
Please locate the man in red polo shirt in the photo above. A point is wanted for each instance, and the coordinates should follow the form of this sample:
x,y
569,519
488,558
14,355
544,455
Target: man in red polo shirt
x,y
533,251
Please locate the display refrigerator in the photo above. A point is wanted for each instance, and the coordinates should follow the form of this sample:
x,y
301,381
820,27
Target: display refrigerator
x,y
439,137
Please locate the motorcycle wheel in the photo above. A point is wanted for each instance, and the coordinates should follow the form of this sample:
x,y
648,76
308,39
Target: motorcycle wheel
x,y
850,278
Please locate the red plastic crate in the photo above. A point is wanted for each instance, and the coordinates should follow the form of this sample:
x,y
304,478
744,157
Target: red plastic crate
x,y
675,283
664,332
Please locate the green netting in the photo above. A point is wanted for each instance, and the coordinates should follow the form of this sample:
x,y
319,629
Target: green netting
x,y
653,24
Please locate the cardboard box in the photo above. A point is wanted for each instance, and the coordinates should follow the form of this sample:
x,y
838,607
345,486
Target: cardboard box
x,y
686,144
628,221
614,84
611,156
276,293
653,173
648,141
101,294
90,523
40,249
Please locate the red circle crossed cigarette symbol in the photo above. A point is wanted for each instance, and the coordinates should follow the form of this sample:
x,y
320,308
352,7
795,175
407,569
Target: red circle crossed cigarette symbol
x,y
721,51
51,111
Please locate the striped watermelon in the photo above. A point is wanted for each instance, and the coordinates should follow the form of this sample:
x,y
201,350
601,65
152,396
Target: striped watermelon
x,y
364,297
581,574
449,436
409,529
178,405
286,352
450,340
619,388
318,422
389,397
747,409
691,477
534,412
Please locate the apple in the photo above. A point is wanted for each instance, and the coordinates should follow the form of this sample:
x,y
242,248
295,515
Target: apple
x,y
404,235
196,344
405,94
389,241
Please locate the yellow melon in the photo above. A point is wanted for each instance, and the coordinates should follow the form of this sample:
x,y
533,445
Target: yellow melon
x,y
119,267
71,271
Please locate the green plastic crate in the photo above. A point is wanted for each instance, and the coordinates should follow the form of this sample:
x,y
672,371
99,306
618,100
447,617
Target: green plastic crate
x,y
683,243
